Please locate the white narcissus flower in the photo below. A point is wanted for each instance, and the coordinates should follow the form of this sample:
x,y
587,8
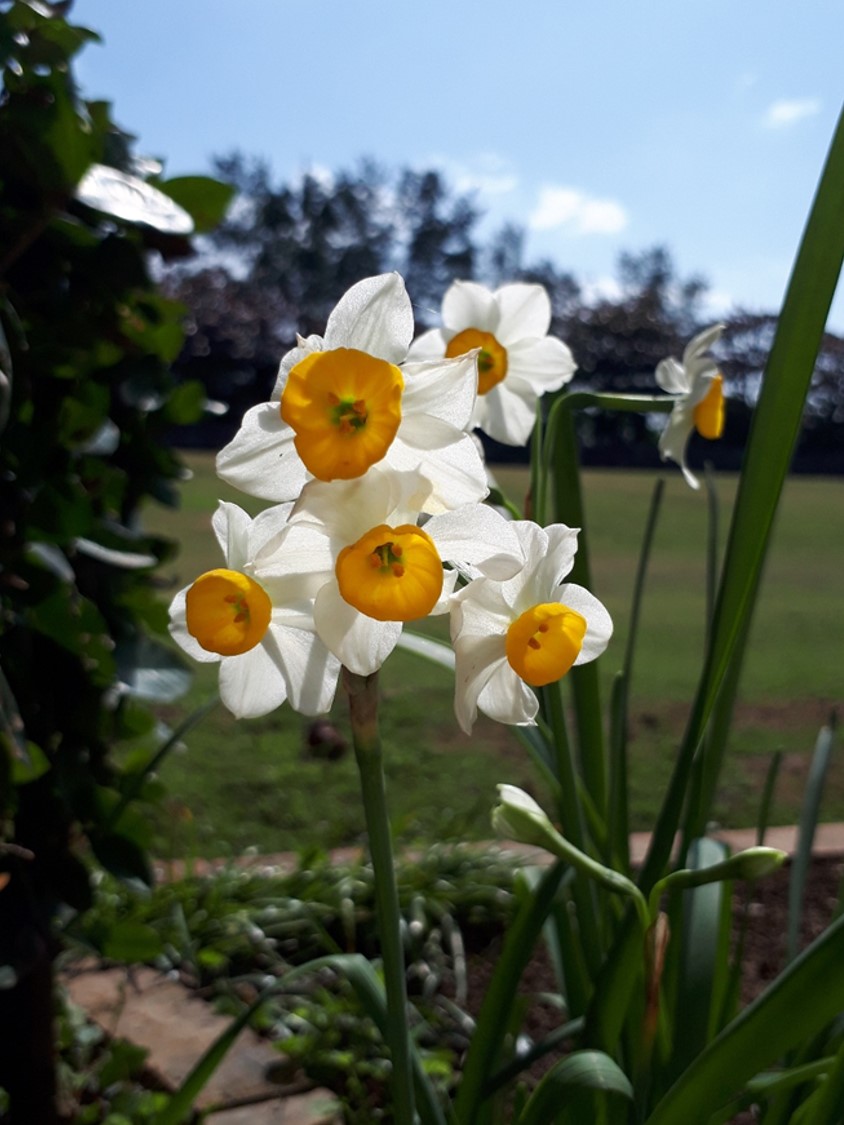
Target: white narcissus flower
x,y
512,636
349,400
700,398
355,547
258,627
518,360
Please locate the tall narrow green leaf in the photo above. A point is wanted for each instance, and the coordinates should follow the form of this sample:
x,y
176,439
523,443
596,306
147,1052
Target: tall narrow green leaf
x,y
797,1006
584,1086
485,1048
771,443
773,437
806,835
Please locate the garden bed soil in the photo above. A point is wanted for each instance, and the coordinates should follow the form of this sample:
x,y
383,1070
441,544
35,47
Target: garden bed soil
x,y
765,905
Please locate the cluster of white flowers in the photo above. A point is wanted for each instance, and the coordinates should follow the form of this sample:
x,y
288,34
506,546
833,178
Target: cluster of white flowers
x,y
365,450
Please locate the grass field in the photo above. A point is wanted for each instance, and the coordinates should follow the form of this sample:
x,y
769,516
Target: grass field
x,y
252,783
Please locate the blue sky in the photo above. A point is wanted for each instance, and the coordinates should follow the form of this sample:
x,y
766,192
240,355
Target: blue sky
x,y
600,127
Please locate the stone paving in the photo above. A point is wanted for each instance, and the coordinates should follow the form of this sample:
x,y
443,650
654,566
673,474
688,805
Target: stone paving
x,y
159,1014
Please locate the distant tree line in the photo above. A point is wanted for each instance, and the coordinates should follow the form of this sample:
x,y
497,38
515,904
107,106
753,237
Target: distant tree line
x,y
286,252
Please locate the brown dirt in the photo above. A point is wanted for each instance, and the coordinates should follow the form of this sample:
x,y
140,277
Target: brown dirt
x,y
766,913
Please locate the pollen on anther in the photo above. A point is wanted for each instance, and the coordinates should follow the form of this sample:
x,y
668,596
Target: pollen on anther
x,y
543,628
242,616
375,560
345,426
398,570
333,399
359,407
534,643
397,549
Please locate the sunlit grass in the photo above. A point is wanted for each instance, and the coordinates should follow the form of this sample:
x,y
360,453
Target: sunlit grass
x,y
255,783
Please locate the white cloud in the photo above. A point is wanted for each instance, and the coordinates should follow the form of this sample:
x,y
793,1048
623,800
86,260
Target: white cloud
x,y
788,111
718,303
579,213
487,173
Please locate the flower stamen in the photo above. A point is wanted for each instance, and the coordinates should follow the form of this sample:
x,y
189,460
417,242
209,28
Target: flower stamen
x,y
345,407
391,573
227,612
544,642
492,358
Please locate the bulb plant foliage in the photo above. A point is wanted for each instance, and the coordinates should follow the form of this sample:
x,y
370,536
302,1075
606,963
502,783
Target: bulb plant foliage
x,y
379,520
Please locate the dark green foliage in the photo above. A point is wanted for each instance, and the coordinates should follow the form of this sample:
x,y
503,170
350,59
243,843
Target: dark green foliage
x,y
87,401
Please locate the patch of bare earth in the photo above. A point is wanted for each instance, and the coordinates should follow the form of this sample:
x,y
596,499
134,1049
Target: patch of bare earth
x,y
763,914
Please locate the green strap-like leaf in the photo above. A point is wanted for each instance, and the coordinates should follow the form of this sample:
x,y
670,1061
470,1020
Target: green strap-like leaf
x,y
569,1091
806,835
796,1007
485,1048
771,444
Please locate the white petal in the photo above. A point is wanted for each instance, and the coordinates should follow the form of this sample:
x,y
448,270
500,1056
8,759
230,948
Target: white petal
x,y
702,343
445,389
479,536
231,527
290,359
374,316
179,631
674,438
549,554
544,364
479,610
253,683
672,377
311,669
476,660
525,310
261,459
348,509
430,345
267,530
509,415
507,698
456,471
469,305
701,383
598,621
358,641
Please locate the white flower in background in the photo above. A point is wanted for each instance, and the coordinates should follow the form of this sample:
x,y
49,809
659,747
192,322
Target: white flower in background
x,y
518,360
512,636
347,401
354,546
700,398
258,627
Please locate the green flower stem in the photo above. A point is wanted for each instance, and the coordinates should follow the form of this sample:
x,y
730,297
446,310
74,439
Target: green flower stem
x,y
363,710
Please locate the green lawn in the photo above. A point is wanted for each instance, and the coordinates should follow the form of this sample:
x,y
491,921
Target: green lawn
x,y
252,783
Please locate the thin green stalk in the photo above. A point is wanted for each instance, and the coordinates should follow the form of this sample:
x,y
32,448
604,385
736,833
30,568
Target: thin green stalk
x,y
618,825
363,710
568,508
574,828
